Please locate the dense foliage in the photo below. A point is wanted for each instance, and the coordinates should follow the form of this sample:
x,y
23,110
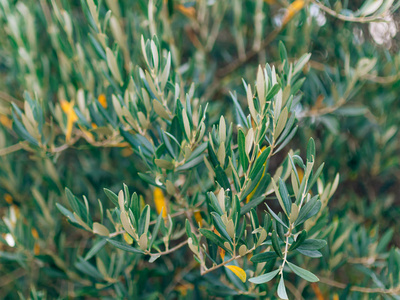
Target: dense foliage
x,y
192,149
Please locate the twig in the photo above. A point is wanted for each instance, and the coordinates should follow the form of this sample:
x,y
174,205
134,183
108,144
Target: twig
x,y
7,97
340,285
179,277
219,266
170,250
10,149
323,111
225,262
370,77
347,18
11,277
296,293
225,71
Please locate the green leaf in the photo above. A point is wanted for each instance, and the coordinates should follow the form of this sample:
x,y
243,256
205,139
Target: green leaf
x,y
96,248
260,161
286,140
315,177
311,150
240,116
351,111
191,164
273,91
310,253
263,257
214,203
209,235
312,244
276,217
264,278
305,210
307,275
283,53
76,205
244,161
67,213
253,203
221,178
301,63
219,225
144,220
124,246
300,239
112,196
275,244
87,268
281,289
156,228
285,196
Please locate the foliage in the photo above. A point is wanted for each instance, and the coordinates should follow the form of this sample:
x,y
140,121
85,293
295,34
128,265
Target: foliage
x,y
205,141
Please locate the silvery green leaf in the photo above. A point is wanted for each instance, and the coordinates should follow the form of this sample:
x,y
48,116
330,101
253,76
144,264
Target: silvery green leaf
x,y
264,278
307,275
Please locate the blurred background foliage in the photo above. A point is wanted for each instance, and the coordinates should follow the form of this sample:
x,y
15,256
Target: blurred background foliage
x,y
56,50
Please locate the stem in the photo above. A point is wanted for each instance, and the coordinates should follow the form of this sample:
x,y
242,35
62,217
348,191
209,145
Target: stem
x,y
225,262
285,253
170,250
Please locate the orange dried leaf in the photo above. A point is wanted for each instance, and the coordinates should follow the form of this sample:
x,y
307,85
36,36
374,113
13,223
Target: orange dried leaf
x,y
189,12
103,100
222,253
197,216
8,198
5,121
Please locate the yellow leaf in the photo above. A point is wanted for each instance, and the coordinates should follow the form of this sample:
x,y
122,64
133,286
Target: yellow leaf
x,y
68,108
335,297
292,10
159,201
128,238
103,100
34,233
36,249
300,172
239,272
